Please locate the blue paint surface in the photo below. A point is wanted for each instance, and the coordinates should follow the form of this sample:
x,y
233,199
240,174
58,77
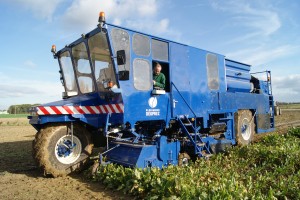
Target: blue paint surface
x,y
188,95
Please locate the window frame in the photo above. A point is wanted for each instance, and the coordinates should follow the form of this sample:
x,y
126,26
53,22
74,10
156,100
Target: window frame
x,y
127,66
133,44
110,62
79,74
212,70
150,74
63,71
167,50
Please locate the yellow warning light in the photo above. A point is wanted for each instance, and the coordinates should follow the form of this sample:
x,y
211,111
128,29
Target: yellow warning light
x,y
53,49
110,84
101,17
101,14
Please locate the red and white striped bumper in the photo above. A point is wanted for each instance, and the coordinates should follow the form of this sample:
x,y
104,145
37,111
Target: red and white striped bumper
x,y
64,110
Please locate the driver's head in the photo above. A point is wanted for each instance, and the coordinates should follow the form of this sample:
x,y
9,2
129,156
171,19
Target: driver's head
x,y
157,68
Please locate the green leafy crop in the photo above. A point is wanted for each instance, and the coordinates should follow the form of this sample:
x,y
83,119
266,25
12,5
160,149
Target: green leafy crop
x,y
268,169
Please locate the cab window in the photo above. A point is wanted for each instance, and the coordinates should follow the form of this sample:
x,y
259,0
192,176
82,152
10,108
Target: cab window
x,y
68,71
141,45
121,41
83,68
160,54
142,74
212,71
101,61
160,50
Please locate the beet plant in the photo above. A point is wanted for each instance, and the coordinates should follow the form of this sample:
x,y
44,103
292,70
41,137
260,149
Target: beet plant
x,y
268,169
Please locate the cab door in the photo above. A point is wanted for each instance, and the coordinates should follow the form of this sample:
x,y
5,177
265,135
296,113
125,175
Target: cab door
x,y
180,83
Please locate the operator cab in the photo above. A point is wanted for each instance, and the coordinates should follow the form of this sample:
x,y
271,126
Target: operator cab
x,y
87,66
107,58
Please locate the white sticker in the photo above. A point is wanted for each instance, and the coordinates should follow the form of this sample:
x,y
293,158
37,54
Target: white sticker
x,y
152,102
152,112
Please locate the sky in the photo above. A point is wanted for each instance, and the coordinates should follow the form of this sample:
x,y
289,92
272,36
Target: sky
x,y
262,33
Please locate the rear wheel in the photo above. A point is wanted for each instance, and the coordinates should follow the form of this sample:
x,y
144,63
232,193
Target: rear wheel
x,y
183,159
58,153
244,127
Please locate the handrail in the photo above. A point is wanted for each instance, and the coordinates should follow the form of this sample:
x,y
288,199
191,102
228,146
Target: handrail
x,y
172,83
196,136
269,80
261,72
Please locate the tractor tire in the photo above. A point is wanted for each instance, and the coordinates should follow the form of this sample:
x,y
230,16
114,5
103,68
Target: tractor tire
x,y
53,152
183,159
244,127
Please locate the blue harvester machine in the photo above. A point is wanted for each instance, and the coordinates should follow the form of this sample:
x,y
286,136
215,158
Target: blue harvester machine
x,y
209,103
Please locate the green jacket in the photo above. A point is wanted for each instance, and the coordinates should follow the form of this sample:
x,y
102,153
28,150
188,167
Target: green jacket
x,y
160,80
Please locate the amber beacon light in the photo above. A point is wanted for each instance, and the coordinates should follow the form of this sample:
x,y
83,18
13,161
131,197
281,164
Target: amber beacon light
x,y
53,49
101,17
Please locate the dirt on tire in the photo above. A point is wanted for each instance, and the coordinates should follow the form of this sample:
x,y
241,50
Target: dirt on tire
x,y
44,145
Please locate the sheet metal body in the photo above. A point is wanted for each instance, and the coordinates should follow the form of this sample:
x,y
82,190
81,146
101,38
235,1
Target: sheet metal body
x,y
209,88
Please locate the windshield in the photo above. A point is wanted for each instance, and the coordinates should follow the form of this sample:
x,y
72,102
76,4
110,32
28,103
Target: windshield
x,y
99,68
83,69
102,62
68,71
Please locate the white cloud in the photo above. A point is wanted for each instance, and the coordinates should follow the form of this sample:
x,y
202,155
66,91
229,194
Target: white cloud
x,y
164,25
19,91
139,15
258,18
257,34
39,8
261,55
29,63
117,21
263,21
287,88
156,27
84,13
147,8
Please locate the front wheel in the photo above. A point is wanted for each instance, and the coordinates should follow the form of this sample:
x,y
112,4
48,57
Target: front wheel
x,y
59,153
244,127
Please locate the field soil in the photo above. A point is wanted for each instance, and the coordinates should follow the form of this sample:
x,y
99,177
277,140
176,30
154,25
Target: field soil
x,y
21,179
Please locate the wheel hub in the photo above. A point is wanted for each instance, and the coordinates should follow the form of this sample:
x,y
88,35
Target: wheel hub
x,y
245,129
65,151
185,161
65,148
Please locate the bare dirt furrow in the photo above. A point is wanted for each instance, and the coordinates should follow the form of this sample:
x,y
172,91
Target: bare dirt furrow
x,y
21,179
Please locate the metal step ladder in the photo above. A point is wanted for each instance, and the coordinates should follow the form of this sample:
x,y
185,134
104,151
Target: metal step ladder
x,y
191,130
272,114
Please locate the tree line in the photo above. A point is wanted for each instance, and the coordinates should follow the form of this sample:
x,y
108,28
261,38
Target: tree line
x,y
21,109
286,103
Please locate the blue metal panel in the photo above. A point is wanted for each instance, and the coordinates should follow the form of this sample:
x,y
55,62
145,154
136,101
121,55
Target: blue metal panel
x,y
139,107
136,102
264,87
160,154
222,76
180,76
188,73
237,76
200,94
244,101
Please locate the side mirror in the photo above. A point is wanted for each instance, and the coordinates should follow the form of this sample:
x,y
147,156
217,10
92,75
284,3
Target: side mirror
x,y
121,57
123,75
